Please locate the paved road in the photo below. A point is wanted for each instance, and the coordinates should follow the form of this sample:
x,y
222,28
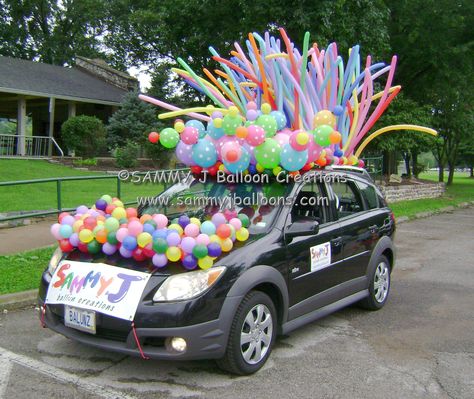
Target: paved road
x,y
421,345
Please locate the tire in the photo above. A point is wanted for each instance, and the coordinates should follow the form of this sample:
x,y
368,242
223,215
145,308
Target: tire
x,y
245,358
379,287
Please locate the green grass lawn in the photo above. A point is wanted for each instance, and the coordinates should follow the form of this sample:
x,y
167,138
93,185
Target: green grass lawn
x,y
74,193
462,190
21,272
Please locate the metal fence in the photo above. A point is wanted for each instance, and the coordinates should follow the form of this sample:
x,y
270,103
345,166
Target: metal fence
x,y
27,146
374,166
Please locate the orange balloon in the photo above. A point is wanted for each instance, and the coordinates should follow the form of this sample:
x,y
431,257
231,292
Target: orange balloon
x,y
145,217
241,132
335,137
101,236
321,161
131,213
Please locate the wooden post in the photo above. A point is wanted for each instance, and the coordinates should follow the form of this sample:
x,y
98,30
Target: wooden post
x,y
52,103
71,109
21,126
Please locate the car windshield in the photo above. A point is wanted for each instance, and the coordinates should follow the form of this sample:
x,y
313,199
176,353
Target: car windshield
x,y
260,202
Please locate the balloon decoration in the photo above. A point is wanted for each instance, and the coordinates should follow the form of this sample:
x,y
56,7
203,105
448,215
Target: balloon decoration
x,y
278,108
111,228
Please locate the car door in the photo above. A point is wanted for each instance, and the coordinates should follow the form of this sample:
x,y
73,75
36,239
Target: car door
x,y
360,223
310,257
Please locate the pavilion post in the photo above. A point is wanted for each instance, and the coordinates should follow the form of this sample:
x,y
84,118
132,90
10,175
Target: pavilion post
x,y
52,103
21,126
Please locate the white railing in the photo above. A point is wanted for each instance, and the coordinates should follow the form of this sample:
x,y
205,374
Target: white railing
x,y
27,146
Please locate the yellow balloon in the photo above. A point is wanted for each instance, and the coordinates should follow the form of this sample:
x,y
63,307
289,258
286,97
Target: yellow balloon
x,y
118,203
217,122
195,221
179,126
302,138
324,117
353,160
259,168
76,225
226,245
177,227
266,108
143,239
97,228
86,236
119,213
205,263
173,254
215,238
242,234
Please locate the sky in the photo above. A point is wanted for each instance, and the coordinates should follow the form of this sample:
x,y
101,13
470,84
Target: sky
x,y
143,77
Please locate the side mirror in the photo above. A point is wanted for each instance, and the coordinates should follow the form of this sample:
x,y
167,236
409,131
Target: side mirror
x,y
302,227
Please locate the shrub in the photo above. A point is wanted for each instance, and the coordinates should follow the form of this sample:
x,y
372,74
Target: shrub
x,y
86,162
126,156
84,134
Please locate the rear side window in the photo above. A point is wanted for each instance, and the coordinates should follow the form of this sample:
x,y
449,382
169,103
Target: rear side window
x,y
370,196
348,199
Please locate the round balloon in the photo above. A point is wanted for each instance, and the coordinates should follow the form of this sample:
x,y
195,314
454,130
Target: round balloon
x,y
241,164
293,160
268,123
213,131
169,137
268,153
197,125
204,153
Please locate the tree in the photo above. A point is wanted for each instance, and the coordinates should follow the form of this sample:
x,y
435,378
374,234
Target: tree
x,y
52,31
84,134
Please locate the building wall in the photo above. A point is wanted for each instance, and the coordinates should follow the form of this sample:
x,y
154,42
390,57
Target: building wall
x,y
412,191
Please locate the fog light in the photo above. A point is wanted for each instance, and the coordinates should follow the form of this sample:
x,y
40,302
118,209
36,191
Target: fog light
x,y
177,344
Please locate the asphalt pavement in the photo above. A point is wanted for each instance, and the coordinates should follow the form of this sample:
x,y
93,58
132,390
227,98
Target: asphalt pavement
x,y
420,345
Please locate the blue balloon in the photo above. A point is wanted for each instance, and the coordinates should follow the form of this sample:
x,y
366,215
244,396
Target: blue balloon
x,y
280,119
160,233
252,169
65,230
198,125
291,159
241,164
129,243
338,153
204,153
214,132
148,228
208,228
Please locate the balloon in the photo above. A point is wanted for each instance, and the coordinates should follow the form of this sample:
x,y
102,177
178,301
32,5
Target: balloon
x,y
241,164
67,219
93,247
236,223
86,236
202,239
197,125
90,222
293,160
280,119
227,245
130,243
160,245
255,135
208,228
112,238
135,228
125,252
251,114
122,233
213,131
268,153
160,220
65,245
204,153
230,123
218,219
65,231
169,137
324,117
159,260
200,251
268,123
190,135
101,236
214,249
173,239
83,209
111,224
119,213
244,219
183,220
191,230
176,227
321,135
195,221
184,153
205,263
74,239
242,234
143,239
109,249
223,231
335,137
190,262
173,254
241,132
231,152
153,137
187,244
281,139
299,141
138,254
149,228
144,218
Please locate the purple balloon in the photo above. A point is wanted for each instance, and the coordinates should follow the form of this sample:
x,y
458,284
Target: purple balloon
x,y
183,221
101,204
82,209
74,239
187,244
250,149
160,233
68,220
159,260
173,239
184,153
214,249
189,262
108,248
125,252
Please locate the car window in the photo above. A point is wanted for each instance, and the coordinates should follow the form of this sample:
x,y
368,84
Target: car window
x,y
348,199
368,193
311,202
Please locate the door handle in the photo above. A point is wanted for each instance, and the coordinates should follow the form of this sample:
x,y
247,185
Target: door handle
x,y
373,229
336,241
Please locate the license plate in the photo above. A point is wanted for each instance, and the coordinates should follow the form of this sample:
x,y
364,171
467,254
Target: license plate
x,y
80,319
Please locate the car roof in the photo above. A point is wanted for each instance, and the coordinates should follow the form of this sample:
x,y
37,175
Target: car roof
x,y
353,170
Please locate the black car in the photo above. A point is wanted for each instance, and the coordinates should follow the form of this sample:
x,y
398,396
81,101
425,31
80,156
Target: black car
x,y
316,245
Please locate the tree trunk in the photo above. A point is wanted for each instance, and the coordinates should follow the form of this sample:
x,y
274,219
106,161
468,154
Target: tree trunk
x,y
451,167
414,164
472,171
406,158
440,172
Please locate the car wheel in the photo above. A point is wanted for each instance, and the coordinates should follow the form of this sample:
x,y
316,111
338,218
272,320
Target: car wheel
x,y
251,336
379,287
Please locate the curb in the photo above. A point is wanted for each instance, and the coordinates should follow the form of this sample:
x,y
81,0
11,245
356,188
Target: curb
x,y
422,215
18,300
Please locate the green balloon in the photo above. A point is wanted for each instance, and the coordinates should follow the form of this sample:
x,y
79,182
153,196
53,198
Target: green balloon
x,y
267,154
169,137
321,135
268,123
111,238
230,124
112,224
200,251
93,247
160,245
244,219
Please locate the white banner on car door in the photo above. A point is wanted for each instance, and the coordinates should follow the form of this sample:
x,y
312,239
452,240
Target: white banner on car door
x,y
103,288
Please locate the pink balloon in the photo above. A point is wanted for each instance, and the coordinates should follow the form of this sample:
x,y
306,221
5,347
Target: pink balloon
x,y
314,149
160,220
282,139
255,135
68,219
191,230
236,223
230,214
218,219
231,152
187,244
135,228
190,135
202,239
55,231
121,233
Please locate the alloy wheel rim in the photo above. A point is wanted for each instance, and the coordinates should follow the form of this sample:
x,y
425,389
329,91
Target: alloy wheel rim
x,y
256,334
381,282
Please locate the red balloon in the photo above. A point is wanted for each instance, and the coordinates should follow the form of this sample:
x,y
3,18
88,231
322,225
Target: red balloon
x,y
232,156
307,166
196,170
65,245
110,208
138,254
90,223
148,252
131,213
82,247
153,137
223,231
213,170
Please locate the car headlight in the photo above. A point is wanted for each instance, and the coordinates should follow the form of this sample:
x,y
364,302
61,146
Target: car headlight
x,y
188,285
55,259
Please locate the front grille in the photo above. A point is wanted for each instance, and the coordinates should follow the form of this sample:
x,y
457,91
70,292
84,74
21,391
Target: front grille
x,y
154,341
113,335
